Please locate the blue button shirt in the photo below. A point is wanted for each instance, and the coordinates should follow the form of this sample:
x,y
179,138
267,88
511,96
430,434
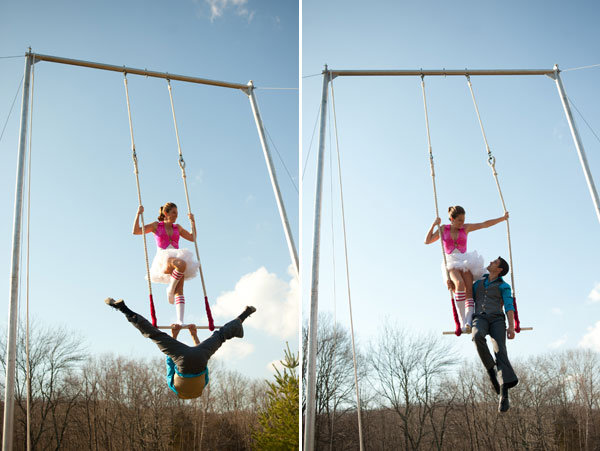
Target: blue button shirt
x,y
504,290
172,369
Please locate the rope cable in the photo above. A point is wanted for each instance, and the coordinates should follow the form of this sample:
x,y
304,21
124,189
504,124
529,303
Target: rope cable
x,y
11,108
311,141
586,122
582,67
211,324
492,163
281,159
360,437
27,361
139,193
457,329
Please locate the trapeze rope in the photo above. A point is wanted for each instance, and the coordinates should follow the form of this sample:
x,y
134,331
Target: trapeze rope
x,y
311,141
11,108
492,163
457,330
139,193
211,323
360,438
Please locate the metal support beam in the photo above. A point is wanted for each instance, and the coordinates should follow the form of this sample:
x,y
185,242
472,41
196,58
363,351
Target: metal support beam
x,y
132,70
437,72
273,176
577,139
311,376
13,305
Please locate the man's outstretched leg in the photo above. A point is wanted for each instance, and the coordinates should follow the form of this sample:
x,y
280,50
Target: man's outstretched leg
x,y
199,355
167,344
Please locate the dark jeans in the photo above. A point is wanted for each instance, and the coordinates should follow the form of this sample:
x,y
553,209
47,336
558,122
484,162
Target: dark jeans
x,y
189,359
494,326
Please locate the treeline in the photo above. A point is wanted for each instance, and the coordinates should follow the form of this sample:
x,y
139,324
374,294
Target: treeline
x,y
416,394
116,403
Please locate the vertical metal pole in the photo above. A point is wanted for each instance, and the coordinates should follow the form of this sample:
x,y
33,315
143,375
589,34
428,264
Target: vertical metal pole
x,y
577,139
311,377
13,307
282,213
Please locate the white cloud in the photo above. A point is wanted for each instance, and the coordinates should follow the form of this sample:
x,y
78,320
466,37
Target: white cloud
x,y
557,311
218,7
277,302
558,343
591,340
234,350
594,295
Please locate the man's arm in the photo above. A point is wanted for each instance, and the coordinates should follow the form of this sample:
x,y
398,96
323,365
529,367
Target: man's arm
x,y
194,334
175,329
509,308
510,332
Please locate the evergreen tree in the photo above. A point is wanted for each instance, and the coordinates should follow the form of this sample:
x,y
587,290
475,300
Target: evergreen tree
x,y
278,428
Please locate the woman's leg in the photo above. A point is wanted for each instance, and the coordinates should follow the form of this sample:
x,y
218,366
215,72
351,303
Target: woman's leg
x,y
469,303
176,267
456,275
179,301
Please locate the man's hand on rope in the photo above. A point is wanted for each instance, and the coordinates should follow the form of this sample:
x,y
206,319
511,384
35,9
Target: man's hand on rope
x,y
510,332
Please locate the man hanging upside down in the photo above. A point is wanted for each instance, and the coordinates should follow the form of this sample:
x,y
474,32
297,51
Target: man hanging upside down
x,y
187,373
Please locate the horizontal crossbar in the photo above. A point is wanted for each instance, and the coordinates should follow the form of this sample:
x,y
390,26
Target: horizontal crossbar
x,y
447,332
187,326
438,72
132,70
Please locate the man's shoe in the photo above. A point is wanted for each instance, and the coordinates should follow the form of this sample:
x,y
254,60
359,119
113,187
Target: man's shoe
x,y
118,305
494,380
247,312
503,404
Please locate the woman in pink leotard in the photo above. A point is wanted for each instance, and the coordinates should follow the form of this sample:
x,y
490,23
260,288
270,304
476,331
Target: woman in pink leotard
x,y
171,265
463,266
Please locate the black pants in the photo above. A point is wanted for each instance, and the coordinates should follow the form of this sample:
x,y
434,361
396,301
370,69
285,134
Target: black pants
x,y
495,327
189,359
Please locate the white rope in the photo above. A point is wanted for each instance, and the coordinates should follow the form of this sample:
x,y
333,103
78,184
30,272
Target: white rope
x,y
492,164
137,182
582,67
28,363
431,165
183,176
360,437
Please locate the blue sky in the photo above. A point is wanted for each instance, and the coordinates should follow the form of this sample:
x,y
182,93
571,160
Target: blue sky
x,y
84,196
387,184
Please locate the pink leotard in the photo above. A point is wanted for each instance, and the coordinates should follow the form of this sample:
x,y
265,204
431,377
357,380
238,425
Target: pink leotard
x,y
163,240
450,244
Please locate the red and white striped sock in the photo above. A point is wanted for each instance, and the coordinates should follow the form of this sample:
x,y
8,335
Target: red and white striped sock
x,y
459,299
470,307
179,307
175,278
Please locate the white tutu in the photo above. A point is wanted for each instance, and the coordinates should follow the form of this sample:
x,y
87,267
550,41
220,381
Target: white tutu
x,y
469,261
159,264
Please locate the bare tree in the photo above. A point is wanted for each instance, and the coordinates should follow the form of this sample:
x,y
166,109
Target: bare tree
x,y
335,376
55,355
408,372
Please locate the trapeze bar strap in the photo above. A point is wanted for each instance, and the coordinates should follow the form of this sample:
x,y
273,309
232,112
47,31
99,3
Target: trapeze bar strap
x,y
187,326
447,332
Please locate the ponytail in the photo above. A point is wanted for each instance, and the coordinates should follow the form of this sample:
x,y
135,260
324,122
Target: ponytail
x,y
165,209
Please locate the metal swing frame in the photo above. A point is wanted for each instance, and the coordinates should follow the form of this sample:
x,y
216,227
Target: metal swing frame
x,y
328,76
30,60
